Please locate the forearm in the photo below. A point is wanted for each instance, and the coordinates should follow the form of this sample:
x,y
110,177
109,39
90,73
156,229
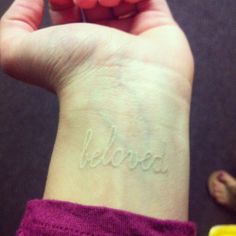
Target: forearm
x,y
124,151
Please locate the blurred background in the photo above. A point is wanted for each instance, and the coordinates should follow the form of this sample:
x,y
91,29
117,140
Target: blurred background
x,y
29,116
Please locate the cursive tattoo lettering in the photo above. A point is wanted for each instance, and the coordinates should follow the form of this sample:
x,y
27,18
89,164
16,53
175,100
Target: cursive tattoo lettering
x,y
156,163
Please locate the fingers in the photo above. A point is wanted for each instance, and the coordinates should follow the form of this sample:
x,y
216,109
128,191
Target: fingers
x,y
124,9
109,3
98,13
86,4
133,1
64,11
60,4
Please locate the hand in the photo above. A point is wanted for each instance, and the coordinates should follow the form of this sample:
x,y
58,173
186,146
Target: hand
x,y
134,74
56,56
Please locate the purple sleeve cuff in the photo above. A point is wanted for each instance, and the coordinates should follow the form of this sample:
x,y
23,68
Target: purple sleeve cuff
x,y
57,218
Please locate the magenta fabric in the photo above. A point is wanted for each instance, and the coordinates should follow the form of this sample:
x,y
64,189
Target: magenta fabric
x,y
48,217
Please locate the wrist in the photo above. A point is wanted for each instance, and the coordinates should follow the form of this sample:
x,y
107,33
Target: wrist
x,y
124,90
122,142
126,163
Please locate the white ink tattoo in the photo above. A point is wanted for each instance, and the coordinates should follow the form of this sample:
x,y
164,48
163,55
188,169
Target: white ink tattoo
x,y
150,161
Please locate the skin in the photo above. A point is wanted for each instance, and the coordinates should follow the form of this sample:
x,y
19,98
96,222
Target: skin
x,y
133,74
222,187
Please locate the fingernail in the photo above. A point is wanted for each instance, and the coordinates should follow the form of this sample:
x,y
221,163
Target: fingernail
x,y
221,175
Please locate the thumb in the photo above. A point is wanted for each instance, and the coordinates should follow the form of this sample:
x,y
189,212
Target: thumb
x,y
21,18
